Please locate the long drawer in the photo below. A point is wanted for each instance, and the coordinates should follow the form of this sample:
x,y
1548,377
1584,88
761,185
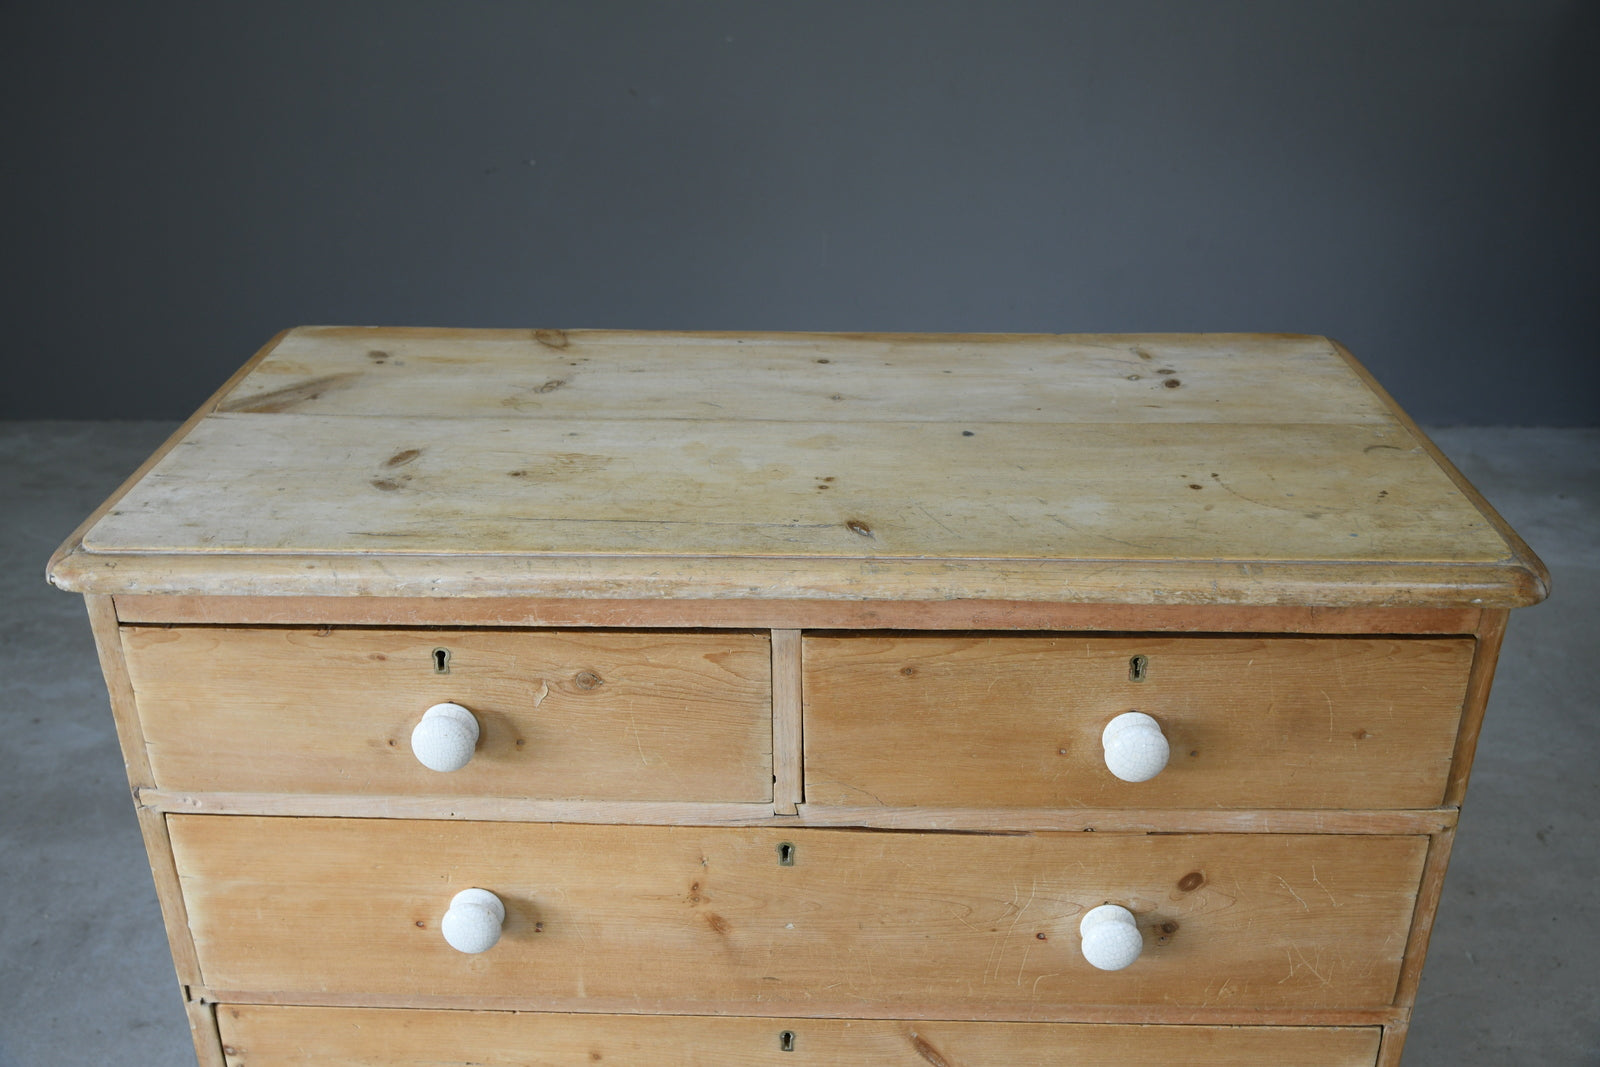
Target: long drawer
x,y
562,715
762,920
1251,722
265,1036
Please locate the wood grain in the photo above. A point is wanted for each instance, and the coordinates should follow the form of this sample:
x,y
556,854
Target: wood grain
x,y
602,374
1015,722
564,715
668,813
662,488
687,919
59,564
788,770
286,1036
1225,469
849,582
792,614
1491,634
152,824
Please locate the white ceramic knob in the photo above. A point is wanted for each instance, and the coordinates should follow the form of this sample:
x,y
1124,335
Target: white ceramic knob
x,y
1111,939
473,922
445,738
1136,750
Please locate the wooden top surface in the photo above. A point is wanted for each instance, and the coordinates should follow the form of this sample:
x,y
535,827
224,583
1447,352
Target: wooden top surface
x,y
1189,469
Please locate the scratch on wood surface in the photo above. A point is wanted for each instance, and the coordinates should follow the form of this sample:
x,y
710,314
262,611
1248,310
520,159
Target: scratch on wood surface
x,y
1292,893
1318,882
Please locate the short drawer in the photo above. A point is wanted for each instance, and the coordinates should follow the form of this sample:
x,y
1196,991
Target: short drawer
x,y
264,1036
1251,722
766,920
561,715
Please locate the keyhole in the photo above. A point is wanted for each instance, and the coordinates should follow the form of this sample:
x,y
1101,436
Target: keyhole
x,y
441,661
785,854
786,1041
1136,668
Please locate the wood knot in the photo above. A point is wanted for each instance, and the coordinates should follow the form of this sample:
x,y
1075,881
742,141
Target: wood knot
x,y
588,680
1191,881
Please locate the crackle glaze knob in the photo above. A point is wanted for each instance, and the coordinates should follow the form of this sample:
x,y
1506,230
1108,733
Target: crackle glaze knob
x,y
473,922
1136,749
1111,939
445,738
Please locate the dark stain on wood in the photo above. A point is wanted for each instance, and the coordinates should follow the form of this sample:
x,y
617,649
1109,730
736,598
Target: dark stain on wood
x,y
1172,383
400,459
551,338
551,386
1191,881
925,1049
290,396
718,924
388,485
861,529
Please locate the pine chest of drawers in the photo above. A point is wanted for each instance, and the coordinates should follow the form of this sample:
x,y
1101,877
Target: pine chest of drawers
x,y
598,697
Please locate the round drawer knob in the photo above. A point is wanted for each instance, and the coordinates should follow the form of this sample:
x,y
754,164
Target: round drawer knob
x,y
473,922
1111,939
1136,750
445,738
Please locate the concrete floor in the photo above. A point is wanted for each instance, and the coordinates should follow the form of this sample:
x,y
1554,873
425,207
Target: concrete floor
x,y
1513,975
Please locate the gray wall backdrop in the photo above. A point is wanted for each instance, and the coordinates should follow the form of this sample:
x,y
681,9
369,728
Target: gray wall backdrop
x,y
1415,177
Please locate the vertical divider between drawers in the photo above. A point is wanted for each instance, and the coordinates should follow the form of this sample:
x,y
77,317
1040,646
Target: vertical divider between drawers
x,y
788,774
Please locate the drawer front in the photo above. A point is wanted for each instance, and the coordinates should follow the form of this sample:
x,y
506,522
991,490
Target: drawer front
x,y
979,721
642,919
581,716
261,1036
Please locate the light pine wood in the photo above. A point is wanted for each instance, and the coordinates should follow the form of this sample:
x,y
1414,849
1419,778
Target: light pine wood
x,y
564,716
1109,1014
1118,582
510,809
788,776
1015,722
287,1036
152,824
1260,470
1539,574
1490,635
1393,1043
792,614
903,924
1130,820
202,1016
601,374
708,488
873,596
61,561
646,813
1428,896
